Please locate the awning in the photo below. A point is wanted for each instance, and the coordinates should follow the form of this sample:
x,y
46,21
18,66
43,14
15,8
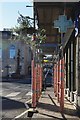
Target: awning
x,y
67,36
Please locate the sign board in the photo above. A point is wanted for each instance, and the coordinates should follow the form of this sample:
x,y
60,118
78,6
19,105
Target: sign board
x,y
63,23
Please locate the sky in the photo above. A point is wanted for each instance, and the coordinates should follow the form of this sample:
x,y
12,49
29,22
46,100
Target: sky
x,y
9,12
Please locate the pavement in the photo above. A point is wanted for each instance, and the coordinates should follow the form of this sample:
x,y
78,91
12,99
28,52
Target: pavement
x,y
48,107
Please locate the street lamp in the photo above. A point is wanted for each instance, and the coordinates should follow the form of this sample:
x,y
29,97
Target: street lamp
x,y
29,6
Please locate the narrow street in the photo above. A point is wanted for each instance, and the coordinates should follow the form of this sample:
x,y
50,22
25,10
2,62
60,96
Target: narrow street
x,y
14,95
40,60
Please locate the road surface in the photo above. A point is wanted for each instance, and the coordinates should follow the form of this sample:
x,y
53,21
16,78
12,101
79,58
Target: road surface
x,y
14,94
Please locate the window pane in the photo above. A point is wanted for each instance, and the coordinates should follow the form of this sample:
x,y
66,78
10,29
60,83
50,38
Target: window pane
x,y
12,51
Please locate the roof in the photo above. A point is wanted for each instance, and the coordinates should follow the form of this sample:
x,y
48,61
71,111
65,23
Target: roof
x,y
5,34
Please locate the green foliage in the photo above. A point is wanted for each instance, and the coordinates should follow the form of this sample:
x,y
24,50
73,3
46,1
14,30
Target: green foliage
x,y
24,23
40,37
20,31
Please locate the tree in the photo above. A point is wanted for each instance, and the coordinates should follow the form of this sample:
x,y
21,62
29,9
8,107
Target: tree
x,y
24,32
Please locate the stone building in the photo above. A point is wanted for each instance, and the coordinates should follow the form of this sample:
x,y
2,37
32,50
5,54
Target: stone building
x,y
8,55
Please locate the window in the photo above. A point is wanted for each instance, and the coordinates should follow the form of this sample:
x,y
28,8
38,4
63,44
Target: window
x,y
12,51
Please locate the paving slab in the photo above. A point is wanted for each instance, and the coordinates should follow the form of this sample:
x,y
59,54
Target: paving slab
x,y
49,107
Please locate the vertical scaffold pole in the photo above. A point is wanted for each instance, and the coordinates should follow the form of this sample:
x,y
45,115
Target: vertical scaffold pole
x,y
55,79
38,81
62,86
40,78
58,81
33,85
